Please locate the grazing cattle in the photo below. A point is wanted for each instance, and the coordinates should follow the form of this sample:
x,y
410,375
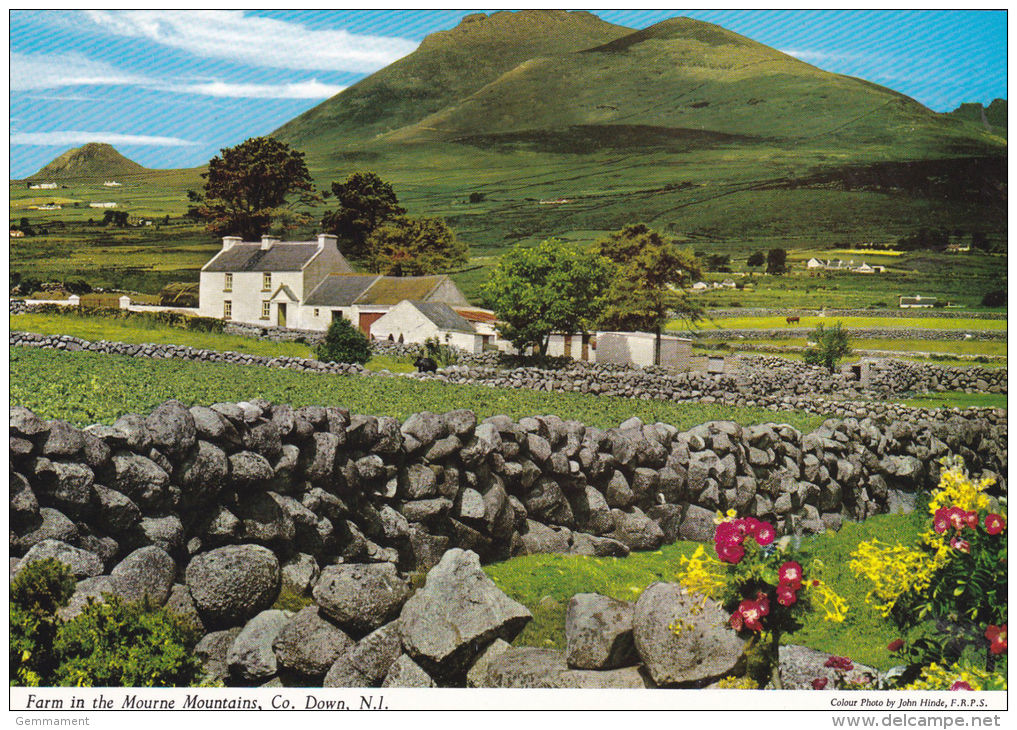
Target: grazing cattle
x,y
425,365
794,320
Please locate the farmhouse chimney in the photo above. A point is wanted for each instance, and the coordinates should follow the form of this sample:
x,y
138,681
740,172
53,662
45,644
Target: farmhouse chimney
x,y
327,240
267,242
229,242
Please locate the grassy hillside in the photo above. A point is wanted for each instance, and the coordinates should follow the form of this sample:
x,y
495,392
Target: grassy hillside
x,y
704,134
93,160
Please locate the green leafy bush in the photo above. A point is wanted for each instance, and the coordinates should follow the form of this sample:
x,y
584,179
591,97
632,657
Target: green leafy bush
x,y
179,294
343,343
831,346
126,644
36,593
443,354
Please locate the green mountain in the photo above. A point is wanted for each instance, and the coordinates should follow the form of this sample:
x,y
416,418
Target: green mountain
x,y
570,126
992,117
448,66
93,160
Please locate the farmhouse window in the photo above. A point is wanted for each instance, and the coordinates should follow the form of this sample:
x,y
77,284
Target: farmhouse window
x,y
266,281
227,310
266,310
316,311
228,285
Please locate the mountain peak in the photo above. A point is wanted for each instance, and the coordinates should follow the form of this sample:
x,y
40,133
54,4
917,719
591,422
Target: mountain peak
x,y
91,160
516,25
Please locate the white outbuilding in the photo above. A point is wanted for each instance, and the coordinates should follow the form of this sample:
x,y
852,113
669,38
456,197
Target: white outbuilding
x,y
413,322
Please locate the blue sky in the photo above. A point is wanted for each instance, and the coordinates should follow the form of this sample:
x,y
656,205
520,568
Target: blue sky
x,y
170,88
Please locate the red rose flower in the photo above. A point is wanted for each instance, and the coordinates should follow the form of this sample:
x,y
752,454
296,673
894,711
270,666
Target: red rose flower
x,y
971,519
763,601
790,572
820,683
895,645
786,595
994,524
956,517
960,685
765,534
997,638
840,663
751,615
941,520
963,545
731,553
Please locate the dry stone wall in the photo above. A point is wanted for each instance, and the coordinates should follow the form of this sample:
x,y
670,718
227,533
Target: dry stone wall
x,y
215,510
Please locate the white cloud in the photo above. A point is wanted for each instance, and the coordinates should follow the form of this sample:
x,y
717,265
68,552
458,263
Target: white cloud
x,y
50,71
62,139
312,89
232,35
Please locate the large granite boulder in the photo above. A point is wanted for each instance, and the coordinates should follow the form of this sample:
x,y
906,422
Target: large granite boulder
x,y
148,571
598,633
309,644
367,663
446,624
361,597
251,657
83,564
528,667
684,638
233,583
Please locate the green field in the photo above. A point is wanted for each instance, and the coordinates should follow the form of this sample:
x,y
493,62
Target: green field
x,y
958,400
138,331
931,322
87,387
545,583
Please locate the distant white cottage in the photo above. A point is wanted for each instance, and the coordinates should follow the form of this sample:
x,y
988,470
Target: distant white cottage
x,y
43,186
111,184
102,205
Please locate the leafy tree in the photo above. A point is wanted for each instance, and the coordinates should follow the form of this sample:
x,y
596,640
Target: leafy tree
x,y
776,261
980,241
343,343
365,202
648,285
720,263
477,197
551,287
995,298
415,246
252,186
831,346
757,259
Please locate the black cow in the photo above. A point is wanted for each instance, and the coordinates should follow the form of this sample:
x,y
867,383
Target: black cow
x,y
425,365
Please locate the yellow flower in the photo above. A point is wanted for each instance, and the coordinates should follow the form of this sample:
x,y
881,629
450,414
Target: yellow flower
x,y
702,574
893,571
936,677
834,607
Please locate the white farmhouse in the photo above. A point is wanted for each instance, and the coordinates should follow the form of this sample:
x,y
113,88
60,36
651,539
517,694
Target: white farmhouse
x,y
265,283
306,285
815,263
413,322
102,205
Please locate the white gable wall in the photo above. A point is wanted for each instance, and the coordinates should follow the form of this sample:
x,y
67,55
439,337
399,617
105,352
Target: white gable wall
x,y
406,320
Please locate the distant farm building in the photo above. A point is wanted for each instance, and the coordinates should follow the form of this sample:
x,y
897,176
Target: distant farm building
x,y
639,348
111,184
17,234
43,186
102,205
814,264
917,302
414,322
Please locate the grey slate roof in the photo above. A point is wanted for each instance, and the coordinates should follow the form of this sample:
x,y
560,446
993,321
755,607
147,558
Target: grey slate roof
x,y
443,316
283,256
340,290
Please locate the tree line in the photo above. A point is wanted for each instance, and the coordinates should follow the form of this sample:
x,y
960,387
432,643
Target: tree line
x,y
263,184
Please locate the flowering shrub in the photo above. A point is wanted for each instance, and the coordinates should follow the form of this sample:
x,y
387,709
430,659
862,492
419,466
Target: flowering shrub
x,y
958,677
952,586
767,592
